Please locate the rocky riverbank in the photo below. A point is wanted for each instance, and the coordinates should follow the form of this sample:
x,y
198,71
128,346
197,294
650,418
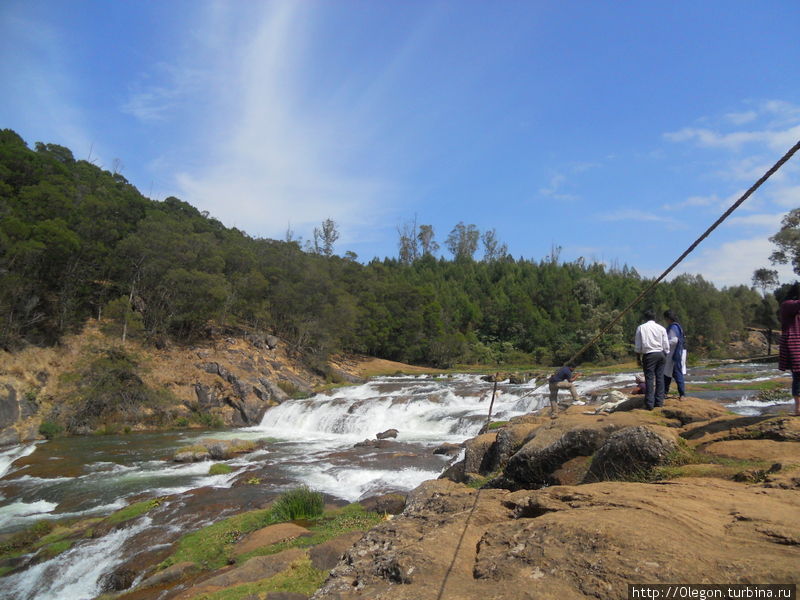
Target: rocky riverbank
x,y
94,383
582,506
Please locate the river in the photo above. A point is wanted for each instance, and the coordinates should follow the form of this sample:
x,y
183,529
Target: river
x,y
305,442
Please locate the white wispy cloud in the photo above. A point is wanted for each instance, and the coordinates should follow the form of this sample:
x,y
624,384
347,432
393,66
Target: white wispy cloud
x,y
554,189
740,157
693,202
787,196
157,95
733,263
775,140
276,155
639,215
740,118
770,222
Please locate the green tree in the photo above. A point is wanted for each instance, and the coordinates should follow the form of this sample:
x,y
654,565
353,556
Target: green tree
x,y
463,241
787,239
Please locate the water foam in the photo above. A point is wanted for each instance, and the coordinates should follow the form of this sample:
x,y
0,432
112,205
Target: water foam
x,y
19,510
75,574
8,456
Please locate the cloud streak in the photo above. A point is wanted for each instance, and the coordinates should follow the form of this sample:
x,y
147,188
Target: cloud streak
x,y
733,263
279,157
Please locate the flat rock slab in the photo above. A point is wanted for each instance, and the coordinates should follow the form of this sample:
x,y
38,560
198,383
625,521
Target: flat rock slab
x,y
325,556
272,534
255,569
756,450
170,574
588,541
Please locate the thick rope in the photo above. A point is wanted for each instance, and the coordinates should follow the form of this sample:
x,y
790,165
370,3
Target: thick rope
x,y
614,321
694,245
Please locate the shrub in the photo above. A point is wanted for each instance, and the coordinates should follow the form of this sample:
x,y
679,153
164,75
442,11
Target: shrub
x,y
49,429
219,469
108,389
300,503
210,421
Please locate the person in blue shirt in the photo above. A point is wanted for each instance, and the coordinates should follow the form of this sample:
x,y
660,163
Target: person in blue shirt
x,y
562,380
675,365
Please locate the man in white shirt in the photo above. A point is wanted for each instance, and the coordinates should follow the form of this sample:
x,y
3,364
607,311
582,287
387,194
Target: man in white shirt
x,y
652,346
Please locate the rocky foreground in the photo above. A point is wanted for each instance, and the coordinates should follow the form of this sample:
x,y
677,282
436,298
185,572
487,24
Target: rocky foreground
x,y
584,505
576,507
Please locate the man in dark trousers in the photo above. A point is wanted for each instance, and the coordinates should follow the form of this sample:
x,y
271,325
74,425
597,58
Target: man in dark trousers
x,y
652,346
562,380
675,365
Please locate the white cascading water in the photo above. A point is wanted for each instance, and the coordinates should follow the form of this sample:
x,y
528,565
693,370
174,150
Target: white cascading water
x,y
425,411
76,574
421,409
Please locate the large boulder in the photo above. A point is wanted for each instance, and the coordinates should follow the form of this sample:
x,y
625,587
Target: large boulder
x,y
533,466
632,453
9,407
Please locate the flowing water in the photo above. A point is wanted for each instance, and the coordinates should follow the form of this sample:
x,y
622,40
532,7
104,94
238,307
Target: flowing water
x,y
305,442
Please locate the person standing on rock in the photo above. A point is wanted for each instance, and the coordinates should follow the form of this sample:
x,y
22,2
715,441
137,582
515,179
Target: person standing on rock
x,y
562,380
675,365
789,349
652,346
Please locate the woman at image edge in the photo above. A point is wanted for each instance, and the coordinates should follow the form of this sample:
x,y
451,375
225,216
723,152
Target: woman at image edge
x,y
789,354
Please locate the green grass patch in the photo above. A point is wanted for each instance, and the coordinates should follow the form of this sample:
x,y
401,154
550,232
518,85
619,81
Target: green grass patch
x,y
219,469
196,448
332,524
686,461
301,503
133,510
300,578
496,425
26,539
55,549
212,547
771,384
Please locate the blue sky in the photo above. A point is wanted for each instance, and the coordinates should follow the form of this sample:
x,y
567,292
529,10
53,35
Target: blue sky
x,y
617,130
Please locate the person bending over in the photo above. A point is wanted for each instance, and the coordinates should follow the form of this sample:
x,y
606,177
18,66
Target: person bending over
x,y
562,380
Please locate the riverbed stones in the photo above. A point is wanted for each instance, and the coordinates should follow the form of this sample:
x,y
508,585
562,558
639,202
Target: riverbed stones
x,y
385,435
448,449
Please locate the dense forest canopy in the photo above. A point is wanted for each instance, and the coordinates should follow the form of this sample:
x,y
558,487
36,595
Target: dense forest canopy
x,y
78,242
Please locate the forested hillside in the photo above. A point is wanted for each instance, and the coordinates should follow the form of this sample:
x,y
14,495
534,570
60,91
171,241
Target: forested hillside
x,y
79,242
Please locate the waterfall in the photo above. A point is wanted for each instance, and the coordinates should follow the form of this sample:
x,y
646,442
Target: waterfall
x,y
74,574
421,409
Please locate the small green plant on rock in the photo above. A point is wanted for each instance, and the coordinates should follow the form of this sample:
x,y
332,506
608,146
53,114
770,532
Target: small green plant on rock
x,y
219,469
301,503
